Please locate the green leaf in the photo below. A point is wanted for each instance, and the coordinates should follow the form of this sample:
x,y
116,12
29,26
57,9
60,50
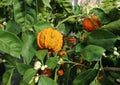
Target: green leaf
x,y
79,47
7,77
11,61
65,57
13,27
92,53
77,10
67,5
103,17
113,26
64,29
29,74
24,14
47,3
41,25
46,81
114,14
95,82
41,54
102,38
22,68
29,2
52,62
108,5
85,78
28,49
10,44
32,82
106,81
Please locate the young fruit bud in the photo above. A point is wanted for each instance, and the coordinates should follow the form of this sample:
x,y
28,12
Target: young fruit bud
x,y
61,53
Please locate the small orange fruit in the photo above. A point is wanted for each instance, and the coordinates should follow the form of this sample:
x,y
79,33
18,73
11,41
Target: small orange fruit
x,y
72,40
91,24
60,72
61,53
96,20
88,25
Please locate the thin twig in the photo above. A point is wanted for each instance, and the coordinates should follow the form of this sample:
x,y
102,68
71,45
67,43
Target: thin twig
x,y
116,69
64,20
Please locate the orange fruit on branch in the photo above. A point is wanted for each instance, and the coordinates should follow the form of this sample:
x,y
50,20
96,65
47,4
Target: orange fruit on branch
x,y
96,20
90,24
61,53
50,39
60,72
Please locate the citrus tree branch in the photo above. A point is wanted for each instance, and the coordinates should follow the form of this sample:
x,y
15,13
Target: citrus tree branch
x,y
64,20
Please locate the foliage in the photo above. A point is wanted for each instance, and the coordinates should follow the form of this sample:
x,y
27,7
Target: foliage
x,y
85,58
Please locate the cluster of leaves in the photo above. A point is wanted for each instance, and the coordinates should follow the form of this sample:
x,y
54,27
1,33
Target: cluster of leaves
x,y
83,63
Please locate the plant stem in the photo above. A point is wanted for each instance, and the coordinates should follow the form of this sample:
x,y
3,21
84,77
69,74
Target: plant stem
x,y
76,63
55,76
64,20
116,69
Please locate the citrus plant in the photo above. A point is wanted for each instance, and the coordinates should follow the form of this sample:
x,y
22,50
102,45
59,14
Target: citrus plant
x,y
59,42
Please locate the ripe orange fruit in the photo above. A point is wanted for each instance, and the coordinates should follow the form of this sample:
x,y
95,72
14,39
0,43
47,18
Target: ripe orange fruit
x,y
61,53
96,20
72,40
88,24
91,24
60,72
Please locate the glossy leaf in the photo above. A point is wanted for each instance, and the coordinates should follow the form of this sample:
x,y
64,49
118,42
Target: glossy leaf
x,y
85,78
77,10
13,27
113,26
114,14
79,47
22,68
29,74
103,17
32,82
64,29
67,5
52,62
24,15
28,49
40,25
29,2
106,81
92,53
7,77
47,3
95,82
102,38
11,45
46,81
41,54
